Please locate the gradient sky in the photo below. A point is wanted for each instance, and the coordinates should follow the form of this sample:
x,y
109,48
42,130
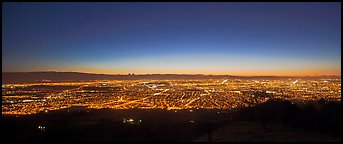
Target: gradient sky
x,y
190,38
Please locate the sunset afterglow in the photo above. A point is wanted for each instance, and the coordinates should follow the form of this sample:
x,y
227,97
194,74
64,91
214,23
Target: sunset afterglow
x,y
294,39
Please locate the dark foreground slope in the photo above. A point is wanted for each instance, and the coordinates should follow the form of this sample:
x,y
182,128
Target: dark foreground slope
x,y
79,124
274,120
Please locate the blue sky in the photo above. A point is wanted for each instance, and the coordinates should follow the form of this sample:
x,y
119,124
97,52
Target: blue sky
x,y
202,38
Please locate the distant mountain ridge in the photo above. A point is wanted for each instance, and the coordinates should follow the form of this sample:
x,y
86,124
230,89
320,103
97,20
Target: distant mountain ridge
x,y
29,77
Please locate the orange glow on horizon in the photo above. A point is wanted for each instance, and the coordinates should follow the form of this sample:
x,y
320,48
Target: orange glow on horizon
x,y
317,71
242,73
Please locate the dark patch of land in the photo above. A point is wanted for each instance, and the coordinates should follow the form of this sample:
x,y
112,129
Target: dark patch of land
x,y
274,120
30,77
80,124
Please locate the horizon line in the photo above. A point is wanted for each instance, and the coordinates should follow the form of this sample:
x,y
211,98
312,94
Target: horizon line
x,y
174,74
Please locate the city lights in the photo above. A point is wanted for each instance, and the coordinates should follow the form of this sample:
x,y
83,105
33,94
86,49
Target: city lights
x,y
162,94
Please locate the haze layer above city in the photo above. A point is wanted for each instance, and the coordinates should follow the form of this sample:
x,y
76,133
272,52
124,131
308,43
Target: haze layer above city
x,y
242,39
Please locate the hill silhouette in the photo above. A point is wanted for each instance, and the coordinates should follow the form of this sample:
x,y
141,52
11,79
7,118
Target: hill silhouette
x,y
29,77
25,77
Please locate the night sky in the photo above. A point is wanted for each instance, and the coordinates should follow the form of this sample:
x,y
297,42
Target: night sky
x,y
180,38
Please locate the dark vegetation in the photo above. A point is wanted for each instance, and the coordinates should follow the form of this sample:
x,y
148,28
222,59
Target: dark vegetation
x,y
319,116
